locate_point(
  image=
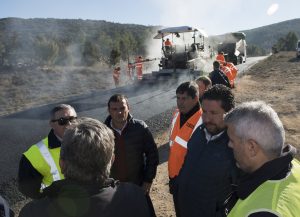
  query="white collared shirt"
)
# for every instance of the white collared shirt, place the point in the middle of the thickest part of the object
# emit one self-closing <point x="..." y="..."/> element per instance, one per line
<point x="118" y="130"/>
<point x="210" y="137"/>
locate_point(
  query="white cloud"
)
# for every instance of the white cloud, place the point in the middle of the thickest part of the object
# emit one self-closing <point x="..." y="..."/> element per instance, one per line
<point x="272" y="9"/>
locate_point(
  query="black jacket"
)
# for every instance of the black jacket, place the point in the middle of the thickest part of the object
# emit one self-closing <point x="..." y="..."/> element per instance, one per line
<point x="66" y="198"/>
<point x="136" y="154"/>
<point x="29" y="179"/>
<point x="218" y="77"/>
<point x="205" y="179"/>
<point x="4" y="209"/>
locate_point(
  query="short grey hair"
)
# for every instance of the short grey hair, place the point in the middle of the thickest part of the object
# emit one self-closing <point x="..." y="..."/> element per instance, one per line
<point x="87" y="150"/>
<point x="59" y="108"/>
<point x="258" y="121"/>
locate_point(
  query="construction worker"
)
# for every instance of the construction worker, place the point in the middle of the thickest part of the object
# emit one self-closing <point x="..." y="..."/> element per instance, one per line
<point x="139" y="68"/>
<point x="233" y="68"/>
<point x="168" y="45"/>
<point x="270" y="186"/>
<point x="217" y="76"/>
<point x="39" y="165"/>
<point x="186" y="118"/>
<point x="130" y="68"/>
<point x="227" y="71"/>
<point x="116" y="76"/>
<point x="220" y="57"/>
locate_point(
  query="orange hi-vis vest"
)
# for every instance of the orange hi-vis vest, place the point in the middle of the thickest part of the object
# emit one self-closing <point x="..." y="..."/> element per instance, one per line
<point x="233" y="69"/>
<point x="227" y="72"/>
<point x="139" y="68"/>
<point x="179" y="138"/>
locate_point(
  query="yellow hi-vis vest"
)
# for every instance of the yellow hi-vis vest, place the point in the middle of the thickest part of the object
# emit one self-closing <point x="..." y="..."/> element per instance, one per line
<point x="280" y="197"/>
<point x="179" y="138"/>
<point x="45" y="161"/>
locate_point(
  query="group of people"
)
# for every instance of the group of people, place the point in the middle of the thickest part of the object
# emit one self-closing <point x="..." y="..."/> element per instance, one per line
<point x="224" y="72"/>
<point x="224" y="160"/>
<point x="134" y="71"/>
<point x="86" y="168"/>
<point x="230" y="161"/>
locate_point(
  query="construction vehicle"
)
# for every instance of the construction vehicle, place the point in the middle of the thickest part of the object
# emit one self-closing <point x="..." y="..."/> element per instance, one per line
<point x="183" y="56"/>
<point x="234" y="47"/>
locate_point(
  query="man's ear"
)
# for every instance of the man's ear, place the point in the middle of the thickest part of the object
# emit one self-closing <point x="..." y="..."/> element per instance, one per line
<point x="62" y="165"/>
<point x="252" y="148"/>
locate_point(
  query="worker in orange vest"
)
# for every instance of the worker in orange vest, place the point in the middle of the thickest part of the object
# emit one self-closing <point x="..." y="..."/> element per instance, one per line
<point x="233" y="68"/>
<point x="130" y="68"/>
<point x="220" y="57"/>
<point x="168" y="45"/>
<point x="227" y="71"/>
<point x="116" y="76"/>
<point x="139" y="68"/>
<point x="185" y="120"/>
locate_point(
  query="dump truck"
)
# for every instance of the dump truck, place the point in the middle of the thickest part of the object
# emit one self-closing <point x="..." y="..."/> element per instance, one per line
<point x="182" y="56"/>
<point x="234" y="47"/>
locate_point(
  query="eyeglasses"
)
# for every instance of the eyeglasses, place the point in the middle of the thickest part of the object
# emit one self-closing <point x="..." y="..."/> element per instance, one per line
<point x="64" y="121"/>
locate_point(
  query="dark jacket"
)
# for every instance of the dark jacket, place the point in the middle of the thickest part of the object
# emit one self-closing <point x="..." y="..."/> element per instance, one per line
<point x="66" y="198"/>
<point x="205" y="179"/>
<point x="5" y="211"/>
<point x="136" y="154"/>
<point x="276" y="169"/>
<point x="29" y="179"/>
<point x="218" y="77"/>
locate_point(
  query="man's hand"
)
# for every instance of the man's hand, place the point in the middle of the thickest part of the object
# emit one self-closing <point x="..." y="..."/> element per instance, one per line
<point x="146" y="187"/>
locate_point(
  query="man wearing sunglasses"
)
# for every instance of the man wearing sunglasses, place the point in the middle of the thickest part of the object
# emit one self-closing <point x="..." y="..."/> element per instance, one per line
<point x="39" y="165"/>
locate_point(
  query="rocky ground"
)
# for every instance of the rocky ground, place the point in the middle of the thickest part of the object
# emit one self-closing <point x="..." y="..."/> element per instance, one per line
<point x="274" y="80"/>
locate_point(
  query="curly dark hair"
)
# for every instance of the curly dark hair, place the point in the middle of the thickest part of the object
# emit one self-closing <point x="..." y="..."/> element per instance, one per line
<point x="221" y="93"/>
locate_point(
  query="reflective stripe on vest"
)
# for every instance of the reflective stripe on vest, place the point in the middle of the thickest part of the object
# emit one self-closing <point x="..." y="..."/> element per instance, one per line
<point x="48" y="158"/>
<point x="5" y="206"/>
<point x="280" y="197"/>
<point x="172" y="126"/>
<point x="179" y="137"/>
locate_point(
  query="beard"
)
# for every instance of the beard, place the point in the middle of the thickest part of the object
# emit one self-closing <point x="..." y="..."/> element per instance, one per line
<point x="213" y="128"/>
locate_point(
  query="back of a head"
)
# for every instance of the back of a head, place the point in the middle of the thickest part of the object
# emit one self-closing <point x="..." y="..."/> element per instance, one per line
<point x="205" y="79"/>
<point x="258" y="121"/>
<point x="189" y="87"/>
<point x="87" y="151"/>
<point x="221" y="93"/>
<point x="216" y="65"/>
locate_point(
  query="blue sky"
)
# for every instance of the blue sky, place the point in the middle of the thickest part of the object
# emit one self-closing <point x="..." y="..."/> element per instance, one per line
<point x="213" y="16"/>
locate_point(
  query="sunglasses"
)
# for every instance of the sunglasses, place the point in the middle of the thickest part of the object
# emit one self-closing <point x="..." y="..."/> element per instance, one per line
<point x="64" y="121"/>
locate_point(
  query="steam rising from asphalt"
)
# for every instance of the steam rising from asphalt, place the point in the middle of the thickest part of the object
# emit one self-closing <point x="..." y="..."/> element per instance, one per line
<point x="272" y="9"/>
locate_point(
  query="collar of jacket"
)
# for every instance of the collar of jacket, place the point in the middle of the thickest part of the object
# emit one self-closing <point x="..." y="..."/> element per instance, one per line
<point x="273" y="170"/>
<point x="53" y="141"/>
<point x="108" y="119"/>
<point x="185" y="117"/>
<point x="74" y="189"/>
